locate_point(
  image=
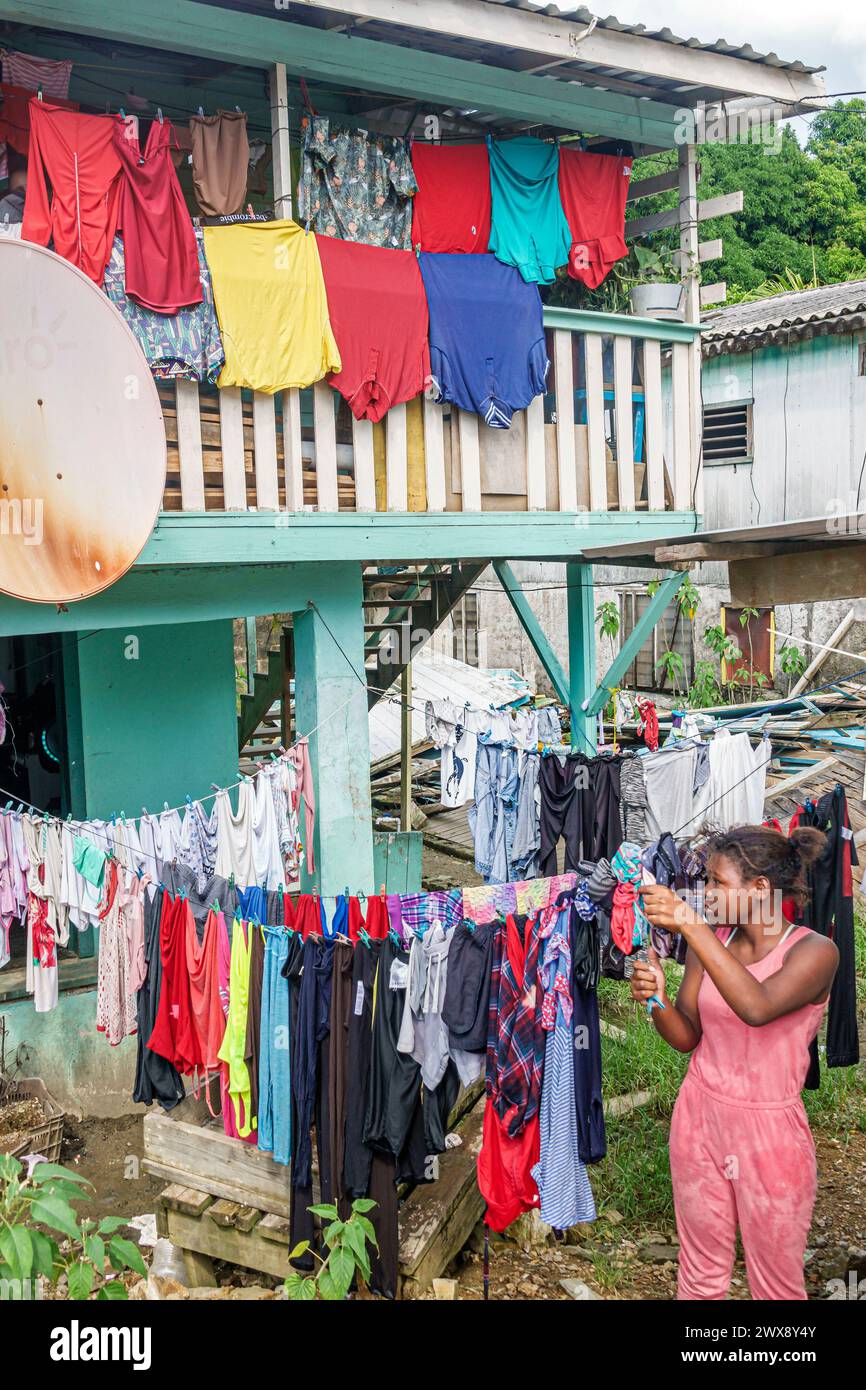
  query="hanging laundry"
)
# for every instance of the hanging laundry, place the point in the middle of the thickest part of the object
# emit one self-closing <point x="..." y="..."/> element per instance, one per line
<point x="672" y="804"/>
<point x="47" y="920"/>
<point x="493" y="815"/>
<point x="594" y="189"/>
<point x="233" y="1045"/>
<point x="629" y="926"/>
<point x="15" y="115"/>
<point x="378" y="314"/>
<point x="272" y="1098"/>
<point x="49" y="76"/>
<point x="564" y="810"/>
<point x="161" y="259"/>
<point x="830" y="911"/>
<point x="356" y="185"/>
<point x="185" y="344"/>
<point x="455" y="728"/>
<point x="737" y="779"/>
<point x="487" y="347"/>
<point x="116" y="1014"/>
<point x="220" y="161"/>
<point x="304" y="791"/>
<point x="156" y="1079"/>
<point x="529" y="228"/>
<point x="272" y="307"/>
<point x="174" y="1036"/>
<point x="560" y="1176"/>
<point x="77" y="156"/>
<point x="465" y="1007"/>
<point x="451" y="210"/>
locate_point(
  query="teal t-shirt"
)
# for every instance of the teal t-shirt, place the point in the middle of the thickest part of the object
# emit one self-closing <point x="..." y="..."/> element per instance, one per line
<point x="528" y="229"/>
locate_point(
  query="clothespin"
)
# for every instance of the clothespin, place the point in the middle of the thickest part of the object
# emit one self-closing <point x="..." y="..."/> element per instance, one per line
<point x="215" y="906"/>
<point x="122" y="114"/>
<point x="201" y="110"/>
<point x="364" y="937"/>
<point x="39" y="94"/>
<point x="160" y="115"/>
<point x="231" y="880"/>
<point x="188" y="799"/>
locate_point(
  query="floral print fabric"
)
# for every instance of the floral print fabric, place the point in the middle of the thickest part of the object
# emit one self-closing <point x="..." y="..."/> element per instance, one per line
<point x="356" y="185"/>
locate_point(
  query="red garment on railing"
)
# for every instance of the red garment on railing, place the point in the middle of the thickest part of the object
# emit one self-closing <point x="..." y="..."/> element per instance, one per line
<point x="593" y="189"/>
<point x="76" y="154"/>
<point x="162" y="271"/>
<point x="15" y="115"/>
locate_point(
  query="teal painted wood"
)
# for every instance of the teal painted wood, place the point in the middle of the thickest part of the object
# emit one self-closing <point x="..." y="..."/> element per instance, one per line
<point x="258" y="41"/>
<point x="532" y="627"/>
<point x="581" y="653"/>
<point x="331" y="708"/>
<point x="620" y="325"/>
<point x="666" y="591"/>
<point x="221" y="565"/>
<point x="157" y="715"/>
<point x="397" y="857"/>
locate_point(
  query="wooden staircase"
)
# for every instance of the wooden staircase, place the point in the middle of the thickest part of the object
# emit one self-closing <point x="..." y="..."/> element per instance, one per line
<point x="403" y="607"/>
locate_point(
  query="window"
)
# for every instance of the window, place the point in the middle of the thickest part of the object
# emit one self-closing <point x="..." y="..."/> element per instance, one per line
<point x="728" y="432"/>
<point x="673" y="632"/>
<point x="464" y="621"/>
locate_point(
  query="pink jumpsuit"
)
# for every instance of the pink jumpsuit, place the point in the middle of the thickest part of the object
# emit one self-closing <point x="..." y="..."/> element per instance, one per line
<point x="741" y="1149"/>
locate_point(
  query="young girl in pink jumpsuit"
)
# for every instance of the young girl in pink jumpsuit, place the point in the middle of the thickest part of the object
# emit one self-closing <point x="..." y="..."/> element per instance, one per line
<point x="750" y="1002"/>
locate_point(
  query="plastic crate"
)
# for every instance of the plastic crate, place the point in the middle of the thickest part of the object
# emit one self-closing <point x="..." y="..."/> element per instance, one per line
<point x="46" y="1138"/>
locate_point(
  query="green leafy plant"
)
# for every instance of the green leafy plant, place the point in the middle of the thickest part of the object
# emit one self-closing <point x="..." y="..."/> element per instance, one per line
<point x="671" y="667"/>
<point x="607" y="619"/>
<point x="41" y="1195"/>
<point x="348" y="1256"/>
<point x="706" y="688"/>
<point x="792" y="663"/>
<point x="689" y="599"/>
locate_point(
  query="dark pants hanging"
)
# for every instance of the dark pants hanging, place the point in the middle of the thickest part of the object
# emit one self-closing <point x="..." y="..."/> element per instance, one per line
<point x="341" y="1006"/>
<point x="607" y="835"/>
<point x="591" y="1137"/>
<point x="830" y="911"/>
<point x="310" y="1082"/>
<point x="561" y="816"/>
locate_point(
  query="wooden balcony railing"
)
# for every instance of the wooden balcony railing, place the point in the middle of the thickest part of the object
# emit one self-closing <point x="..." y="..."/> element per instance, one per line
<point x="618" y="430"/>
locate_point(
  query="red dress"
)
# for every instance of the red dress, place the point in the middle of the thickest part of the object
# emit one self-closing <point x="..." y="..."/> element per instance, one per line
<point x="162" y="271"/>
<point x="174" y="1035"/>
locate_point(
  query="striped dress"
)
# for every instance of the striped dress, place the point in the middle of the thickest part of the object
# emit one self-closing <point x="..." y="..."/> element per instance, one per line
<point x="561" y="1177"/>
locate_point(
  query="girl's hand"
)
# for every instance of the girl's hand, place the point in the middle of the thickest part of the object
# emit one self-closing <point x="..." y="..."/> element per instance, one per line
<point x="648" y="980"/>
<point x="665" y="909"/>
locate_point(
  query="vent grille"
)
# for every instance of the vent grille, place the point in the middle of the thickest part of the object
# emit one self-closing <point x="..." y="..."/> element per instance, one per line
<point x="728" y="432"/>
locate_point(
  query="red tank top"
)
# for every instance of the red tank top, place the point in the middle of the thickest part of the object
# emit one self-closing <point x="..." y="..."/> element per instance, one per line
<point x="763" y="1066"/>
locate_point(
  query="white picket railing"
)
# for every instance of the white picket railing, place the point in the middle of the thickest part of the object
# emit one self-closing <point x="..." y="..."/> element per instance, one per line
<point x="618" y="430"/>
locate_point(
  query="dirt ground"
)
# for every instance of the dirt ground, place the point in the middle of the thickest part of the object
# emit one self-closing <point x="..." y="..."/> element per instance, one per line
<point x="615" y="1260"/>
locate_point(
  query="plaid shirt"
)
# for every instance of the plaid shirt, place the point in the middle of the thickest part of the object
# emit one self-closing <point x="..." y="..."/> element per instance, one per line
<point x="515" y="1039"/>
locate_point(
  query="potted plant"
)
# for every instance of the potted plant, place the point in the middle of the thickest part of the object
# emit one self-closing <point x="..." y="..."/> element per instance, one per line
<point x="656" y="289"/>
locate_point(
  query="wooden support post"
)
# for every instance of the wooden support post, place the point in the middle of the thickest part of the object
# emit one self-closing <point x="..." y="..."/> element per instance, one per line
<point x="287" y="648"/>
<point x="633" y="643"/>
<point x="406" y="731"/>
<point x="581" y="653"/>
<point x="691" y="272"/>
<point x="251" y="642"/>
<point x="533" y="629"/>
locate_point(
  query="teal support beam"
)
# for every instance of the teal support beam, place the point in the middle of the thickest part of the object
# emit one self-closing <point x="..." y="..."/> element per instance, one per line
<point x="581" y="653"/>
<point x="331" y="709"/>
<point x="619" y="325"/>
<point x="156" y="716"/>
<point x="666" y="591"/>
<point x="209" y="31"/>
<point x="531" y="626"/>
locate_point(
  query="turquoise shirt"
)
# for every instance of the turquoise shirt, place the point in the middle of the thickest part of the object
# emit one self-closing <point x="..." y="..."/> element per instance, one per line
<point x="529" y="229"/>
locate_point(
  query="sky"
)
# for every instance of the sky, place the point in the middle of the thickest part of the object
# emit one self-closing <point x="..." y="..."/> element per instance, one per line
<point x="820" y="32"/>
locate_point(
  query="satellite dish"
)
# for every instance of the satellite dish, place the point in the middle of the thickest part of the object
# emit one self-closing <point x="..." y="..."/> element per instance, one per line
<point x="82" y="440"/>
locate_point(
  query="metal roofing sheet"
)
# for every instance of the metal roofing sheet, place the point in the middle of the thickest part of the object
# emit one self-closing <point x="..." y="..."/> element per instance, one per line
<point x="827" y="304"/>
<point x="581" y="15"/>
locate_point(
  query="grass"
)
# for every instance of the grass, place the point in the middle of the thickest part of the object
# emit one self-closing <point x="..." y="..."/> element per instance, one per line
<point x="635" y="1177"/>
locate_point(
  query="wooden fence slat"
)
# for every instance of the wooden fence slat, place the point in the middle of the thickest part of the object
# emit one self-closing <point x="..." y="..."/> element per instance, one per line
<point x="232" y="436"/>
<point x="434" y="455"/>
<point x="536" y="473"/>
<point x="365" y="468"/>
<point x="189" y="445"/>
<point x="325" y="428"/>
<point x="292" y="450"/>
<point x="622" y="391"/>
<point x="565" y="450"/>
<point x="396" y="460"/>
<point x="470" y="461"/>
<point x="265" y="452"/>
<point x="682" y="426"/>
<point x="595" y="422"/>
<point x="654" y="425"/>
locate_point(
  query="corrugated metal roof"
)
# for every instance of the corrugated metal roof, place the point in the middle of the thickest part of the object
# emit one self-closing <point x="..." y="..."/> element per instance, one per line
<point x="782" y="317"/>
<point x="581" y="15"/>
<point x="437" y="676"/>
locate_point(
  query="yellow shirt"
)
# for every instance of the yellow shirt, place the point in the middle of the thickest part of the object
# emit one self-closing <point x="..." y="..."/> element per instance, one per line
<point x="271" y="304"/>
